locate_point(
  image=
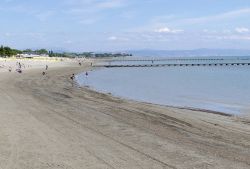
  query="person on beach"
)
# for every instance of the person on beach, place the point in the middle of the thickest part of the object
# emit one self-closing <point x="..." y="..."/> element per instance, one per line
<point x="19" y="70"/>
<point x="72" y="77"/>
<point x="86" y="74"/>
<point x="46" y="68"/>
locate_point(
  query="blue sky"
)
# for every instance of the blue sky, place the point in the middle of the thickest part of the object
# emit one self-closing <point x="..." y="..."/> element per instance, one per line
<point x="116" y="25"/>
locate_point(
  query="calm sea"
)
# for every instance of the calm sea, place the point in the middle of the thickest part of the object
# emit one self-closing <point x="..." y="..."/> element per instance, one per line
<point x="218" y="88"/>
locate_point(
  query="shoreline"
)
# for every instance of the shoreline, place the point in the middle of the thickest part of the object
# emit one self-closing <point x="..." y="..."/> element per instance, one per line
<point x="48" y="122"/>
<point x="163" y="105"/>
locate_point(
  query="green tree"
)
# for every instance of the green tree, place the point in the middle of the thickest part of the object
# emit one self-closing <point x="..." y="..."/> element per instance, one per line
<point x="28" y="51"/>
<point x="41" y="52"/>
<point x="51" y="54"/>
<point x="2" y="51"/>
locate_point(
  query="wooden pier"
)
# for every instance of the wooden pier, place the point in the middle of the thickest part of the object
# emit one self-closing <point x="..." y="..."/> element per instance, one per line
<point x="174" y="65"/>
<point x="175" y="59"/>
<point x="168" y="59"/>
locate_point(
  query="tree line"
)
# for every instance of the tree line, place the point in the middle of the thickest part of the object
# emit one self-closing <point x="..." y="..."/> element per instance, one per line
<point x="6" y="51"/>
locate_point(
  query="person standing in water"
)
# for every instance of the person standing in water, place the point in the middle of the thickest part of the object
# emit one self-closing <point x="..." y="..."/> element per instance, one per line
<point x="86" y="74"/>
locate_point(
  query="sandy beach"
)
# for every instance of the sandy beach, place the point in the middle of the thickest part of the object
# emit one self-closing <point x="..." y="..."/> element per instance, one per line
<point x="50" y="122"/>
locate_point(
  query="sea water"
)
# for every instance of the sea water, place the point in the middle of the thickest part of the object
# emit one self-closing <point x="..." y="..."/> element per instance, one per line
<point x="217" y="88"/>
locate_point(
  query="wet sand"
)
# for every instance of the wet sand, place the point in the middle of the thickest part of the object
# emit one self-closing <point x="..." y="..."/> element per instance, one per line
<point x="50" y="122"/>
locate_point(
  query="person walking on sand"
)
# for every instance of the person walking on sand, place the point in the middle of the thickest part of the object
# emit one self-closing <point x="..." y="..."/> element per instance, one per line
<point x="46" y="68"/>
<point x="72" y="77"/>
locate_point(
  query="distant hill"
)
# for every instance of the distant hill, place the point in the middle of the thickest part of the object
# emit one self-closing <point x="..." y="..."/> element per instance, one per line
<point x="190" y="53"/>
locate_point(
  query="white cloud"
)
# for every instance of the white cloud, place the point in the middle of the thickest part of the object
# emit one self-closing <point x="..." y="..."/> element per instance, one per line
<point x="162" y="22"/>
<point x="233" y="37"/>
<point x="168" y="30"/>
<point x="215" y="18"/>
<point x="209" y="31"/>
<point x="242" y="30"/>
<point x="112" y="38"/>
<point x="115" y="38"/>
<point x="239" y="34"/>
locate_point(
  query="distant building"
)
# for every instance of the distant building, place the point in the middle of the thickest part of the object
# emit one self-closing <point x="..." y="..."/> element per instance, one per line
<point x="30" y="56"/>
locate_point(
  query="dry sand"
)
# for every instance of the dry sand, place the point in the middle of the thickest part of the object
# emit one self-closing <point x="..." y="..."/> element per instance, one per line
<point x="49" y="122"/>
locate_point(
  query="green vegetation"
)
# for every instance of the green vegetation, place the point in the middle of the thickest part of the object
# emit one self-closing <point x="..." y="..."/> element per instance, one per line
<point x="87" y="55"/>
<point x="98" y="55"/>
<point x="6" y="51"/>
<point x="36" y="52"/>
<point x="54" y="54"/>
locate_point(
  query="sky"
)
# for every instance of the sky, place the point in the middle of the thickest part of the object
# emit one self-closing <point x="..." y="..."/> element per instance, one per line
<point x="119" y="25"/>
